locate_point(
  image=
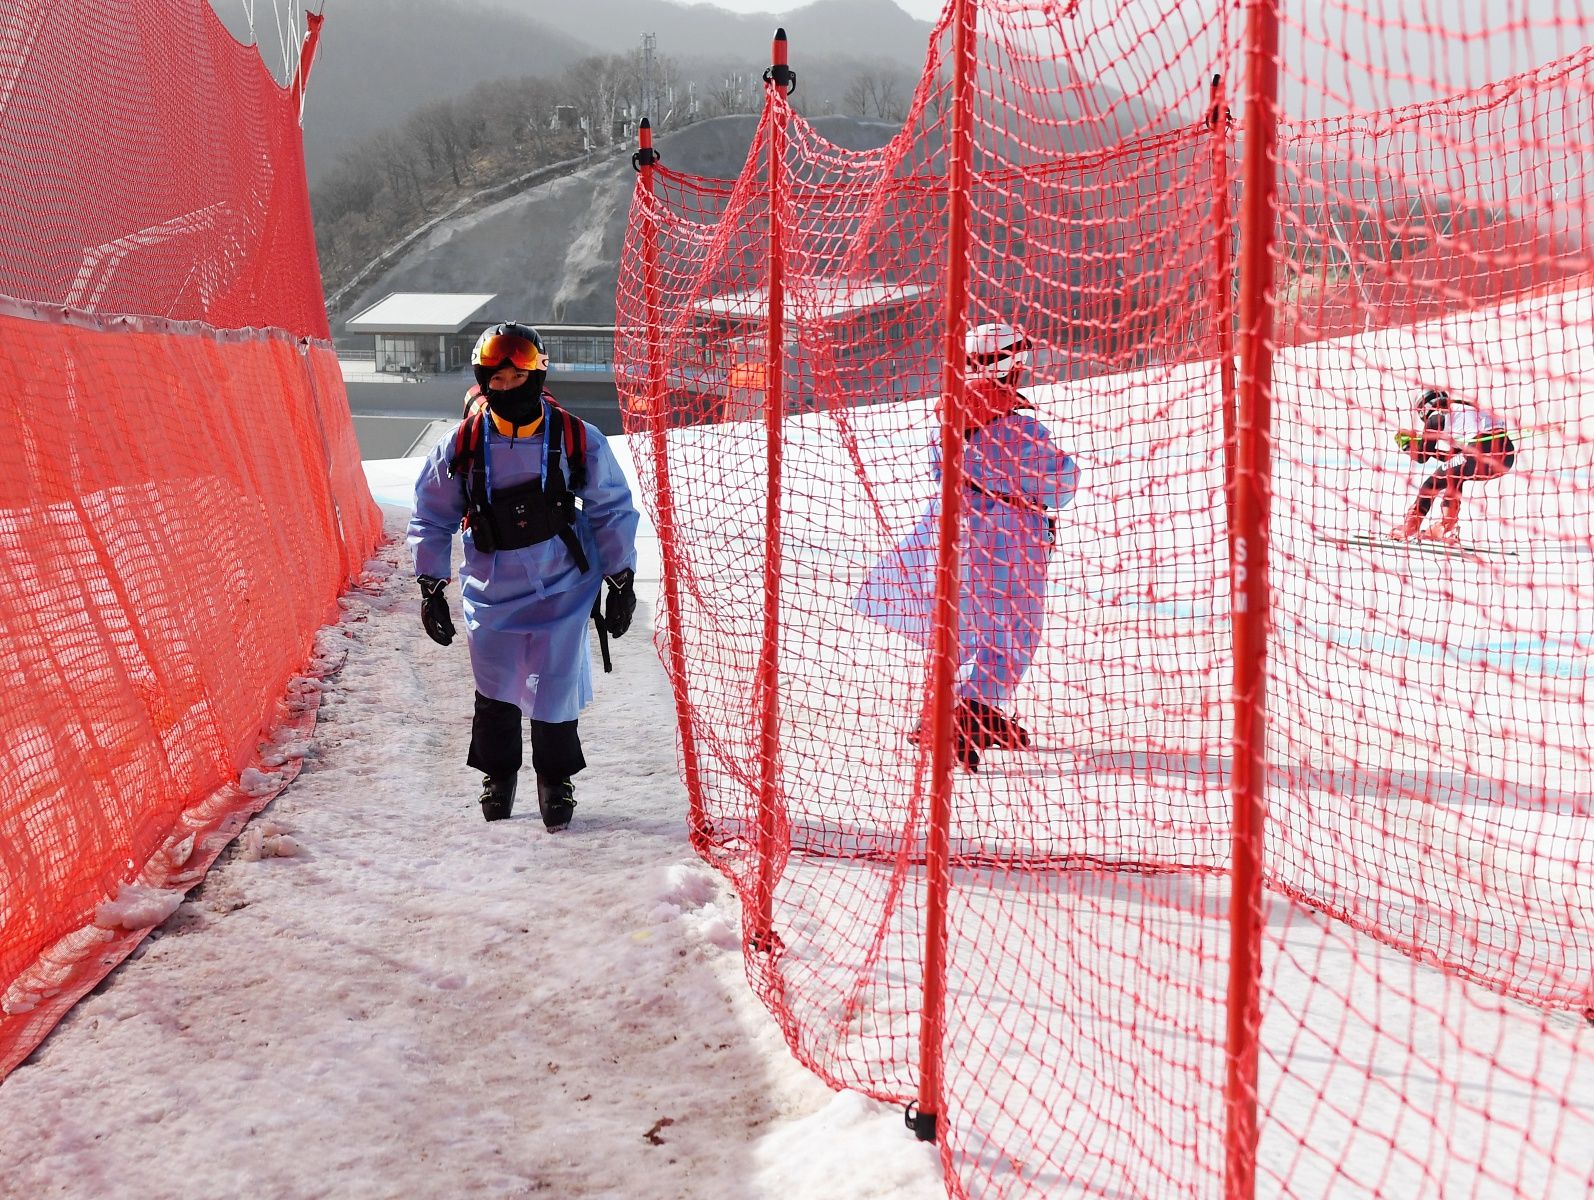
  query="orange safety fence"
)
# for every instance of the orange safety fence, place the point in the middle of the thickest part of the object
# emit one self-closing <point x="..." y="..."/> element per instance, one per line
<point x="1174" y="781"/>
<point x="181" y="499"/>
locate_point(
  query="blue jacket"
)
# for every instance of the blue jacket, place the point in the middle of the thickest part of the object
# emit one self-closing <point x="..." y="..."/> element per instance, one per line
<point x="1014" y="473"/>
<point x="526" y="610"/>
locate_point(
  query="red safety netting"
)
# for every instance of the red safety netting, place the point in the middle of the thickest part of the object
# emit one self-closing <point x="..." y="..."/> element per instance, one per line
<point x="181" y="499"/>
<point x="1280" y="883"/>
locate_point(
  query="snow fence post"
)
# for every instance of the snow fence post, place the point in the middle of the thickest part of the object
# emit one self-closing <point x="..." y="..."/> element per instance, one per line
<point x="1221" y="122"/>
<point x="944" y="646"/>
<point x="770" y="805"/>
<point x="643" y="162"/>
<point x="1248" y="597"/>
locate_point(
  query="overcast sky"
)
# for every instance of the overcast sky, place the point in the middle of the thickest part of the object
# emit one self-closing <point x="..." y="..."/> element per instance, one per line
<point x="1334" y="51"/>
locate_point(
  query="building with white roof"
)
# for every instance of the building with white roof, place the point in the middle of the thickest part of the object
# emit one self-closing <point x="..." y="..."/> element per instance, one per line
<point x="423" y="333"/>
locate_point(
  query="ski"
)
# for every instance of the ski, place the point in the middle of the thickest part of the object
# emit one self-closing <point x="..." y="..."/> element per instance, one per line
<point x="1415" y="545"/>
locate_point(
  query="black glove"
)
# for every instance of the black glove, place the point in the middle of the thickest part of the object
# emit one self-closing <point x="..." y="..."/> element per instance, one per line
<point x="434" y="610"/>
<point x="620" y="605"/>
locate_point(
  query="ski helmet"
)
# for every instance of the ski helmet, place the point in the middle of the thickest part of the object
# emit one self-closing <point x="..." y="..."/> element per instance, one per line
<point x="1433" y="398"/>
<point x="511" y="344"/>
<point x="996" y="350"/>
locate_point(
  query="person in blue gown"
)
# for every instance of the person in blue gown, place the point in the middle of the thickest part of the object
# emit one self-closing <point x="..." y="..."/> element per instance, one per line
<point x="534" y="564"/>
<point x="1015" y="480"/>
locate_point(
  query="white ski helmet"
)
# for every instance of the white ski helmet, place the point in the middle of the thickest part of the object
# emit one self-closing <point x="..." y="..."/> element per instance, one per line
<point x="995" y="350"/>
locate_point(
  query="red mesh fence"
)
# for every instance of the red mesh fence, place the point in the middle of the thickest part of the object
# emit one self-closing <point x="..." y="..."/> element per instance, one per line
<point x="1272" y="875"/>
<point x="181" y="499"/>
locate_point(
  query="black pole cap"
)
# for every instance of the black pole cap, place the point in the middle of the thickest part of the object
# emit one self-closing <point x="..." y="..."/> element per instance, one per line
<point x="780" y="72"/>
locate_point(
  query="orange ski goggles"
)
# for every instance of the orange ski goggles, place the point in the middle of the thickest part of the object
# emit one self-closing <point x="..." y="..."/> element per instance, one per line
<point x="509" y="349"/>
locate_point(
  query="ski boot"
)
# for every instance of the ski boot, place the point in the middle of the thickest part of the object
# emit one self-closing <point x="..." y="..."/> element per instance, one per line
<point x="1448" y="530"/>
<point x="992" y="729"/>
<point x="1412" y="528"/>
<point x="498" y="797"/>
<point x="965" y="750"/>
<point x="966" y="745"/>
<point x="557" y="800"/>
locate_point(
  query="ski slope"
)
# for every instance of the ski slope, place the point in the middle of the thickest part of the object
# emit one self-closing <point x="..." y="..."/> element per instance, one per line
<point x="399" y="999"/>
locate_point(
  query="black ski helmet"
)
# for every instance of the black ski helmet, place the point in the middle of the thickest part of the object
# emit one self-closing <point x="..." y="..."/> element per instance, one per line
<point x="511" y="344"/>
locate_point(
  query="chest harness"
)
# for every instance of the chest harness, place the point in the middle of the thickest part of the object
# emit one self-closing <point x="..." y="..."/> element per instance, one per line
<point x="526" y="514"/>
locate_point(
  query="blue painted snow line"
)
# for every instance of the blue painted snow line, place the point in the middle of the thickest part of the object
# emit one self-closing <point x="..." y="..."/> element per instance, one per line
<point x="1526" y="655"/>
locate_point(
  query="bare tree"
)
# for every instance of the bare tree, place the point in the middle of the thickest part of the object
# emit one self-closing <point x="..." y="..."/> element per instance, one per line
<point x="855" y="100"/>
<point x="632" y="91"/>
<point x="515" y="117"/>
<point x="351" y="186"/>
<point x="594" y="86"/>
<point x="880" y="92"/>
<point x="423" y="138"/>
<point x="443" y="130"/>
<point x="393" y="156"/>
<point x="886" y="98"/>
<point x="732" y="92"/>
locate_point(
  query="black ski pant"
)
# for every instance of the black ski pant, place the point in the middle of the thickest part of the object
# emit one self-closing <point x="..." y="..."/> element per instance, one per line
<point x="495" y="747"/>
<point x="1489" y="457"/>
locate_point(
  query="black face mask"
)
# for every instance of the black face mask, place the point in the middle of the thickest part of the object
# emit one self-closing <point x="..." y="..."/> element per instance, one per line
<point x="518" y="406"/>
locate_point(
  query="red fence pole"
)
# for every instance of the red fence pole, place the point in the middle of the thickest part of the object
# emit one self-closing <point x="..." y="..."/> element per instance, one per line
<point x="944" y="648"/>
<point x="1249" y="596"/>
<point x="301" y="75"/>
<point x="769" y="802"/>
<point x="1220" y="121"/>
<point x="658" y="425"/>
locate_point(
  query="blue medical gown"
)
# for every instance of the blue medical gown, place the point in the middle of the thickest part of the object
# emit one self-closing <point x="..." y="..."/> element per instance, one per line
<point x="1004" y="553"/>
<point x="526" y="610"/>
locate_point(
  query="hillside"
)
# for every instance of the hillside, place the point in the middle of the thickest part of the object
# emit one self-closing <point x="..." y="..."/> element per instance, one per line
<point x="552" y="252"/>
<point x="381" y="60"/>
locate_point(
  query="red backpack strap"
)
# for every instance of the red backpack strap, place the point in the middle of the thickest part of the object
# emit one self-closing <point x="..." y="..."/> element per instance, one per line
<point x="576" y="450"/>
<point x="575" y="439"/>
<point x="468" y="437"/>
<point x="467" y="444"/>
